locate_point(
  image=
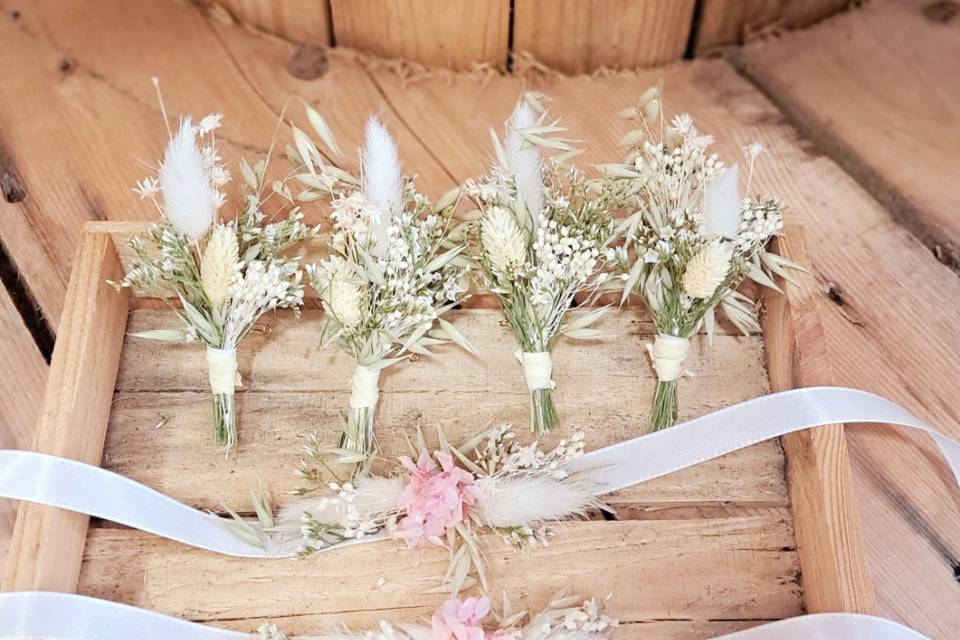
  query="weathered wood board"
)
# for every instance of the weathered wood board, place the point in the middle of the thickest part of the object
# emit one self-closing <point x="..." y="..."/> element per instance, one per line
<point x="708" y="544"/>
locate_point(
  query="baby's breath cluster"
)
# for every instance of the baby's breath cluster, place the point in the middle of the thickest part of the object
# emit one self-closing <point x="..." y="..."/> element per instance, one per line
<point x="541" y="241"/>
<point x="225" y="275"/>
<point x="689" y="237"/>
<point x="392" y="273"/>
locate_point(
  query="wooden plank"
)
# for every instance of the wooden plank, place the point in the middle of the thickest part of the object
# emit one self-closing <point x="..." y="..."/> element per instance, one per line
<point x="829" y="542"/>
<point x="22" y="372"/>
<point x="299" y="20"/>
<point x="879" y="314"/>
<point x="279" y="406"/>
<point x="71" y="170"/>
<point x="47" y="544"/>
<point x="457" y="34"/>
<point x="871" y="89"/>
<point x="728" y="22"/>
<point x="580" y="36"/>
<point x="727" y="569"/>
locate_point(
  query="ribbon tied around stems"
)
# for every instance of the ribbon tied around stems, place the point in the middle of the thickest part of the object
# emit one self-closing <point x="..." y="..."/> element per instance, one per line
<point x="364" y="387"/>
<point x="537" y="369"/>
<point x="668" y="354"/>
<point x="222" y="370"/>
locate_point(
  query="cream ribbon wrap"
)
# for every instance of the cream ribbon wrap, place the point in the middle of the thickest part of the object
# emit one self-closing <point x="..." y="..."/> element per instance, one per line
<point x="364" y="387"/>
<point x="537" y="369"/>
<point x="222" y="370"/>
<point x="668" y="354"/>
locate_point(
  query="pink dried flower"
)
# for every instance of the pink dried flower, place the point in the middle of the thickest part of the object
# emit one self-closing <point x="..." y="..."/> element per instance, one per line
<point x="456" y="620"/>
<point x="435" y="499"/>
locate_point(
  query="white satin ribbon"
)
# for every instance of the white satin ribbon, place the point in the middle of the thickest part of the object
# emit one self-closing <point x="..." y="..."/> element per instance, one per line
<point x="84" y="488"/>
<point x="62" y="616"/>
<point x="668" y="354"/>
<point x="741" y="425"/>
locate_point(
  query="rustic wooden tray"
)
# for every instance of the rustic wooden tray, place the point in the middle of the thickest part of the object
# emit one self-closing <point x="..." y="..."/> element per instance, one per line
<point x="761" y="534"/>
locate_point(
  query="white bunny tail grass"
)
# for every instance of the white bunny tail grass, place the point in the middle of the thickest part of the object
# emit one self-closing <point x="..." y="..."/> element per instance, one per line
<point x="189" y="200"/>
<point x="721" y="204"/>
<point x="524" y="161"/>
<point x="382" y="181"/>
<point x="529" y="500"/>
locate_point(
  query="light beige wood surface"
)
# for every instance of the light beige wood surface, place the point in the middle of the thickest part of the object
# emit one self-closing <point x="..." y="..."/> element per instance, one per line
<point x="829" y="542"/>
<point x="23" y="372"/>
<point x="291" y="390"/>
<point x="579" y="36"/>
<point x="682" y="571"/>
<point x="47" y="543"/>
<point x="305" y="21"/>
<point x="882" y="294"/>
<point x="457" y="34"/>
<point x="872" y="89"/>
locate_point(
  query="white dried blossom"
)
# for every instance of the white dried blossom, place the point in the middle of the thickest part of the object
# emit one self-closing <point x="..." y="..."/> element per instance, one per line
<point x="219" y="267"/>
<point x="345" y="299"/>
<point x="148" y="188"/>
<point x="503" y="241"/>
<point x="707" y="270"/>
<point x="209" y="123"/>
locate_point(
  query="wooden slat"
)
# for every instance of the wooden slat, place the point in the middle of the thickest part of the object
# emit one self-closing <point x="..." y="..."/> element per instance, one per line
<point x="829" y="542"/>
<point x="71" y="171"/>
<point x="871" y="89"/>
<point x="728" y="22"/>
<point x="47" y="543"/>
<point x="579" y="36"/>
<point x="290" y="390"/>
<point x="455" y="34"/>
<point x="22" y="374"/>
<point x="694" y="570"/>
<point x="299" y="20"/>
<point x="889" y="308"/>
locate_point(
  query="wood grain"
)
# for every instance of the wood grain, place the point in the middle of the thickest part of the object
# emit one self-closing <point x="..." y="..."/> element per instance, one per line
<point x="676" y="570"/>
<point x="829" y="542"/>
<point x="456" y="34"/>
<point x="300" y="20"/>
<point x="580" y="36"/>
<point x="728" y="22"/>
<point x="889" y="307"/>
<point x="71" y="172"/>
<point x="871" y="90"/>
<point x="291" y="390"/>
<point x="23" y="372"/>
<point x="47" y="543"/>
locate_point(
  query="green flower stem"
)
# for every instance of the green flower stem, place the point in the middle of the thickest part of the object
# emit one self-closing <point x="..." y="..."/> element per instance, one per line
<point x="543" y="413"/>
<point x="358" y="430"/>
<point x="665" y="408"/>
<point x="225" y="420"/>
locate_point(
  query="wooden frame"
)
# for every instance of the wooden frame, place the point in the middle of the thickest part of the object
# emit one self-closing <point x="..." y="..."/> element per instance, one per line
<point x="48" y="544"/>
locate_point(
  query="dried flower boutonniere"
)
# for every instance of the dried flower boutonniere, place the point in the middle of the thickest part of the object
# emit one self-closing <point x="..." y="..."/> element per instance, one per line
<point x="564" y="618"/>
<point x="691" y="238"/>
<point x="392" y="273"/>
<point x="436" y="497"/>
<point x="225" y="275"/>
<point x="541" y="242"/>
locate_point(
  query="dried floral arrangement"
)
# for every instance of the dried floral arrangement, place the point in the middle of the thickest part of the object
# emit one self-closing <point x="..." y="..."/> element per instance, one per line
<point x="225" y="274"/>
<point x="691" y="239"/>
<point x="440" y="497"/>
<point x="564" y="618"/>
<point x="541" y="241"/>
<point x="392" y="273"/>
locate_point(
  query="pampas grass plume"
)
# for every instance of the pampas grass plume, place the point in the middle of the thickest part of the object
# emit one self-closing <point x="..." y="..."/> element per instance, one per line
<point x="189" y="200"/>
